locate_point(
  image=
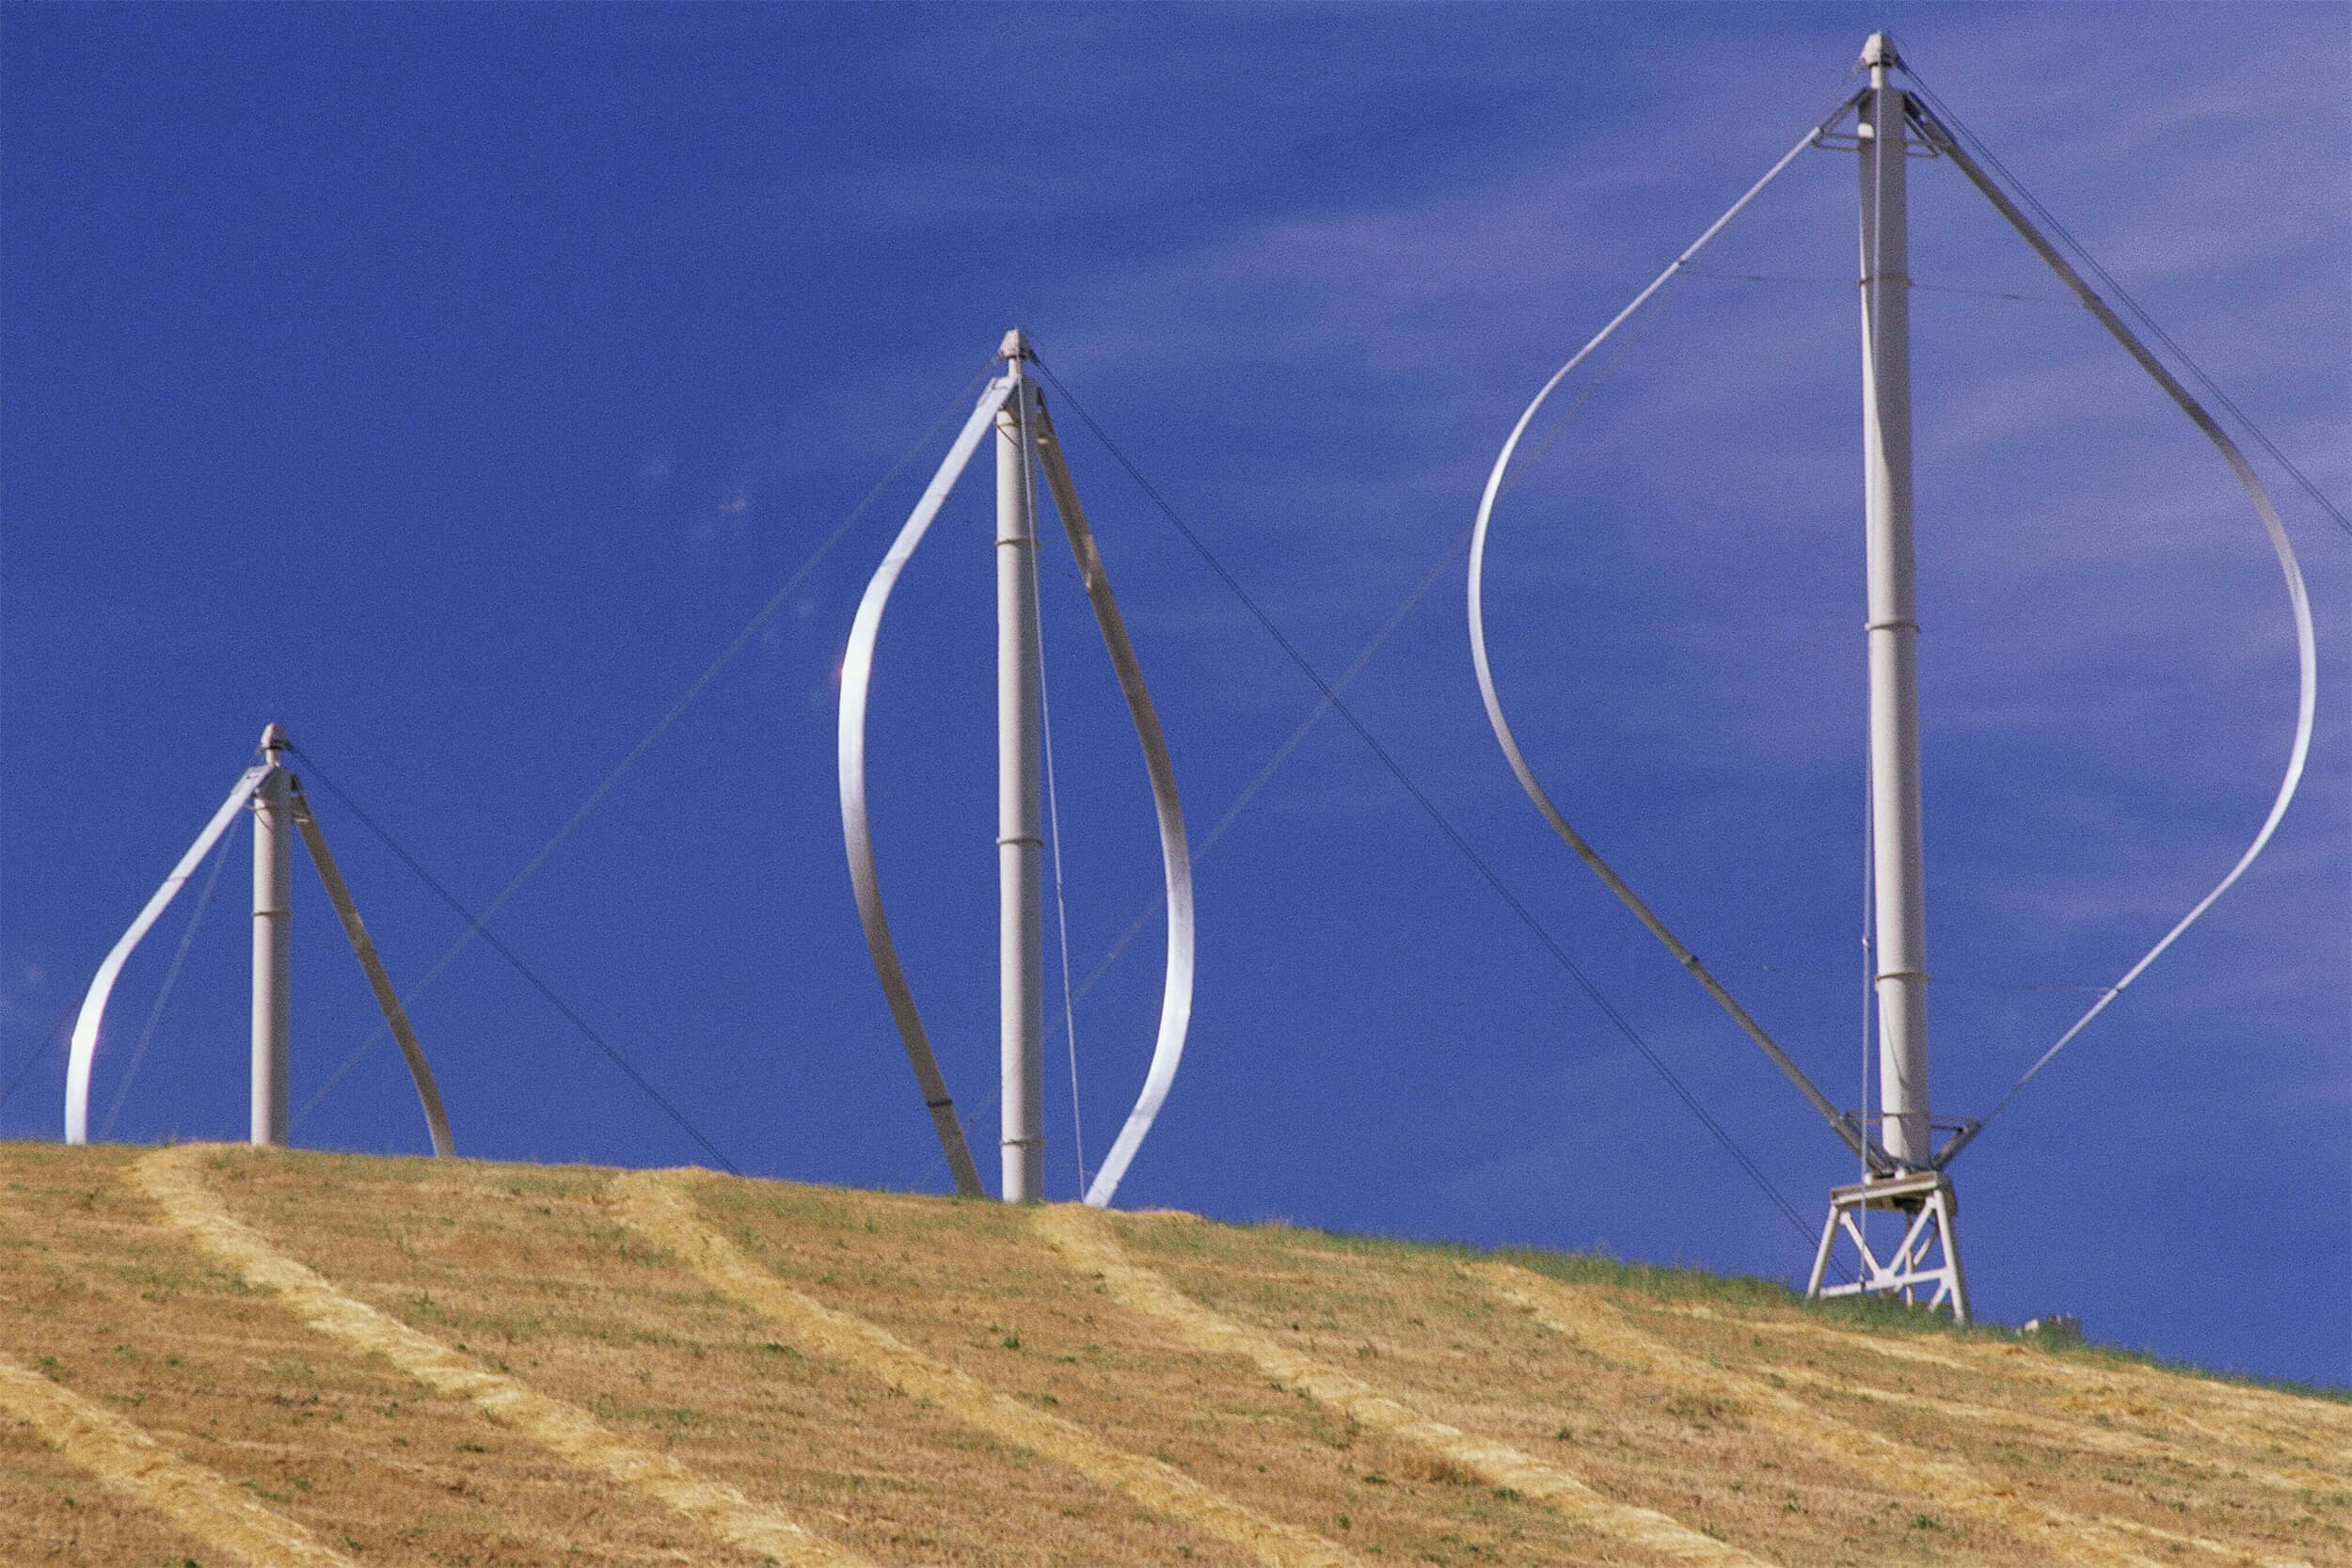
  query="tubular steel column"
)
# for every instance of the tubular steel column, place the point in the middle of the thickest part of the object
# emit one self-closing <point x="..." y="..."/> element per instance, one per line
<point x="1894" y="628"/>
<point x="1020" y="842"/>
<point x="273" y="919"/>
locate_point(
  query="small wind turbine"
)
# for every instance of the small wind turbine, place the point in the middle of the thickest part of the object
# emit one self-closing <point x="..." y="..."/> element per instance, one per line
<point x="1904" y="1169"/>
<point x="275" y="794"/>
<point x="1014" y="407"/>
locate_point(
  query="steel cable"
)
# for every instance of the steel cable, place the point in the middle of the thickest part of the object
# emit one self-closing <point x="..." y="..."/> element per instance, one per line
<point x="1314" y="716"/>
<point x="1429" y="807"/>
<point x="662" y="726"/>
<point x="172" y="979"/>
<point x="1053" y="817"/>
<point x="2115" y="289"/>
<point x="515" y="961"/>
<point x="1949" y="141"/>
<point x="55" y="1031"/>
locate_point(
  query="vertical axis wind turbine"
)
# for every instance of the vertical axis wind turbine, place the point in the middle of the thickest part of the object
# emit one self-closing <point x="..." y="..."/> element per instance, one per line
<point x="274" y="792"/>
<point x="1903" y="1168"/>
<point x="1013" y="407"/>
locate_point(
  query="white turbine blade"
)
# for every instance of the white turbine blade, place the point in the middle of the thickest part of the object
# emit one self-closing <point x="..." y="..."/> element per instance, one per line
<point x="857" y="675"/>
<point x="93" y="1013"/>
<point x="1175" y="855"/>
<point x="2306" y="649"/>
<point x="363" y="947"/>
<point x="1840" y="1123"/>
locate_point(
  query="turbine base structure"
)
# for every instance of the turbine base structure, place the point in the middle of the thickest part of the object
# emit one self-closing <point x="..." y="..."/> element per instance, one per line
<point x="1924" y="1270"/>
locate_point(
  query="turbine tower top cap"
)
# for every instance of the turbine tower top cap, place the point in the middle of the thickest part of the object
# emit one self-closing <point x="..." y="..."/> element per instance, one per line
<point x="1878" y="50"/>
<point x="1015" y="346"/>
<point x="274" y="741"/>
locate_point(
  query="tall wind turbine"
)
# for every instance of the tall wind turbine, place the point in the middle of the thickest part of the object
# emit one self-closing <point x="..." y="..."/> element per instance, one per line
<point x="273" y="791"/>
<point x="1012" y="407"/>
<point x="1904" y="1169"/>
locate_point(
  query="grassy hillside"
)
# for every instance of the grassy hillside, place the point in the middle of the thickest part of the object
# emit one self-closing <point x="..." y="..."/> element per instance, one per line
<point x="217" y="1356"/>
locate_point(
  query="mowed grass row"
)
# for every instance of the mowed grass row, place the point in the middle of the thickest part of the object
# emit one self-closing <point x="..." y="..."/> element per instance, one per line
<point x="2268" y="1472"/>
<point x="99" y="1295"/>
<point x="530" y="1272"/>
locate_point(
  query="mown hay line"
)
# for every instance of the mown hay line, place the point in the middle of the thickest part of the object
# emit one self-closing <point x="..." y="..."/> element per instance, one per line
<point x="171" y="1178"/>
<point x="1951" y="1483"/>
<point x="1084" y="1241"/>
<point x="2088" y="1434"/>
<point x="120" y="1455"/>
<point x="651" y="1203"/>
<point x="2248" y="1417"/>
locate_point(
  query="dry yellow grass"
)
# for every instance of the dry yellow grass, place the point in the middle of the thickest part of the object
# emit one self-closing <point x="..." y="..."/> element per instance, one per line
<point x="971" y="1286"/>
<point x="2266" y="1420"/>
<point x="1437" y="1340"/>
<point x="654" y="1205"/>
<point x="102" y="1443"/>
<point x="101" y="1295"/>
<point x="1602" y="1330"/>
<point x="175" y="1178"/>
<point x="921" y="1381"/>
<point x="529" y="1272"/>
<point x="1084" y="1238"/>
<point x="2280" y="1474"/>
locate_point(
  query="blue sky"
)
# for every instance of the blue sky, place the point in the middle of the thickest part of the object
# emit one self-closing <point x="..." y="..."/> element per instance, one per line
<point x="452" y="385"/>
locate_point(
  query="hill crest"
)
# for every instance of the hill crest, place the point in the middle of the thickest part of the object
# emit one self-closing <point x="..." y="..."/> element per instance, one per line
<point x="212" y="1354"/>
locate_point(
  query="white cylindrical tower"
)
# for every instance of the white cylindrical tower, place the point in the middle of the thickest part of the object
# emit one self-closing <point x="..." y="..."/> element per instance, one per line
<point x="1894" y="627"/>
<point x="273" y="929"/>
<point x="1020" y="840"/>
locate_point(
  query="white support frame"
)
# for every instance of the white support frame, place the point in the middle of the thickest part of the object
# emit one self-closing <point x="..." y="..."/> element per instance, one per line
<point x="1927" y="1261"/>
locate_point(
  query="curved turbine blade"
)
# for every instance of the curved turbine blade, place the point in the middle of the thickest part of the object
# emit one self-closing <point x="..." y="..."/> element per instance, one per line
<point x="1843" y="1125"/>
<point x="1175" y="854"/>
<point x="363" y="948"/>
<point x="2305" y="650"/>
<point x="102" y="986"/>
<point x="857" y="675"/>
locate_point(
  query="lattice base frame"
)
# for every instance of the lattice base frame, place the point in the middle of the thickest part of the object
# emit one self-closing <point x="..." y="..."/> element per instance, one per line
<point x="1925" y="1270"/>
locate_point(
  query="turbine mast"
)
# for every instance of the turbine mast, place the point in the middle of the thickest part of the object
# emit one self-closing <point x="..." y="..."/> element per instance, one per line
<point x="1020" y="836"/>
<point x="1927" y="1261"/>
<point x="1900" y="975"/>
<point x="273" y="948"/>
